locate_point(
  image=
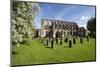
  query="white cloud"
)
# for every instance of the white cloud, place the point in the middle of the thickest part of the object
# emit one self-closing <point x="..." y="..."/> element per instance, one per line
<point x="84" y="18"/>
<point x="83" y="21"/>
<point x="83" y="25"/>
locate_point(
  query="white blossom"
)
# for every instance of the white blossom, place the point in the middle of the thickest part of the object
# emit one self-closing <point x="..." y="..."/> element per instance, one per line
<point x="22" y="19"/>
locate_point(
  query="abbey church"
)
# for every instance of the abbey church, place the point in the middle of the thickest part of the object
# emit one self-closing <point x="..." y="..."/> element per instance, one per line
<point x="67" y="28"/>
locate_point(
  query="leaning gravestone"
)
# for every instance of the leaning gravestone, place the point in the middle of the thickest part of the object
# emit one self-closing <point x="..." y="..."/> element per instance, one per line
<point x="81" y="40"/>
<point x="74" y="40"/>
<point x="70" y="43"/>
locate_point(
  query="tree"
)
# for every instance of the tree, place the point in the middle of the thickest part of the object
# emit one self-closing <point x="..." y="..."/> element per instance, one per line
<point x="23" y="14"/>
<point x="91" y="26"/>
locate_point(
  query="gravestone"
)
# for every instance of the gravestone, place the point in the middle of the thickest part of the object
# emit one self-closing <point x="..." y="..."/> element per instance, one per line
<point x="52" y="43"/>
<point x="57" y="35"/>
<point x="87" y="38"/>
<point x="74" y="40"/>
<point x="56" y="40"/>
<point x="70" y="43"/>
<point x="61" y="41"/>
<point x="81" y="40"/>
<point x="47" y="42"/>
<point x="61" y="35"/>
<point x="66" y="40"/>
<point x="76" y="37"/>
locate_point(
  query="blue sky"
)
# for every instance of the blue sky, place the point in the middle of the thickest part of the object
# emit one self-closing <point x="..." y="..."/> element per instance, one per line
<point x="76" y="13"/>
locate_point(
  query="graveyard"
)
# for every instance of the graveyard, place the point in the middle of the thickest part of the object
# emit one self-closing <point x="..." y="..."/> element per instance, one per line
<point x="41" y="35"/>
<point x="57" y="42"/>
<point x="36" y="52"/>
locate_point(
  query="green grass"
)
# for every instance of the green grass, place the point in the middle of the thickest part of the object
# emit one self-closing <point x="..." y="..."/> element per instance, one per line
<point x="37" y="53"/>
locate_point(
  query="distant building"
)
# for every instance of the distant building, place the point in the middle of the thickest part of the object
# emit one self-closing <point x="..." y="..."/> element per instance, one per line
<point x="65" y="28"/>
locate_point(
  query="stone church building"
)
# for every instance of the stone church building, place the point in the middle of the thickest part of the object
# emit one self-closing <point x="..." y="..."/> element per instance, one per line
<point x="65" y="27"/>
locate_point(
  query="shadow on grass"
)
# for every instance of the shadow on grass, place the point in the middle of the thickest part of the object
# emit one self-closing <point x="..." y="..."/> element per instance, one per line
<point x="66" y="46"/>
<point x="49" y="47"/>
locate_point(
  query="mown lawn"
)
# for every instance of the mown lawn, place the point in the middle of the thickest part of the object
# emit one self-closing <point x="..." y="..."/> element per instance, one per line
<point x="36" y="53"/>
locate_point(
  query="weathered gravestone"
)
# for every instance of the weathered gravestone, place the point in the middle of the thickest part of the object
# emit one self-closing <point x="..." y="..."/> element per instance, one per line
<point x="66" y="40"/>
<point x="61" y="41"/>
<point x="47" y="42"/>
<point x="52" y="43"/>
<point x="87" y="38"/>
<point x="70" y="43"/>
<point x="57" y="35"/>
<point x="61" y="35"/>
<point x="76" y="37"/>
<point x="74" y="40"/>
<point x="56" y="40"/>
<point x="81" y="40"/>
